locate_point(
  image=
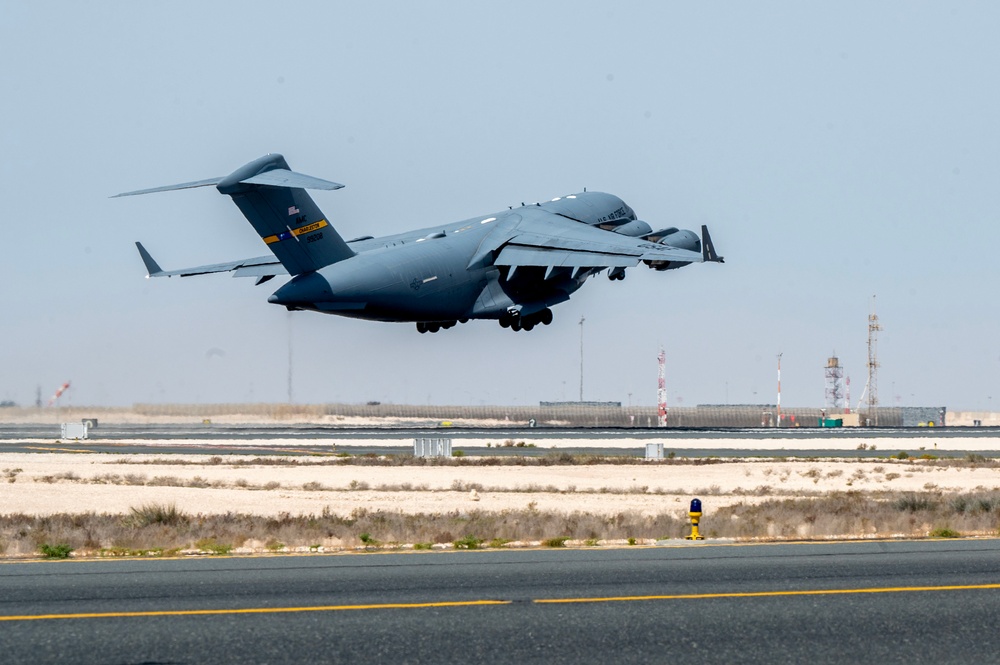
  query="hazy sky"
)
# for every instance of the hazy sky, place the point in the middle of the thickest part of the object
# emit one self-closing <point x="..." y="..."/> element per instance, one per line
<point x="835" y="150"/>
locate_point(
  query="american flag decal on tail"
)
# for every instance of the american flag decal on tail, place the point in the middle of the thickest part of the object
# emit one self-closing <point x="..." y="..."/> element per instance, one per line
<point x="293" y="211"/>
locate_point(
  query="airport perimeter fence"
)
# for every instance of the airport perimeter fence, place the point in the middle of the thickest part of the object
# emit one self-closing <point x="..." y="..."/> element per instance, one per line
<point x="553" y="415"/>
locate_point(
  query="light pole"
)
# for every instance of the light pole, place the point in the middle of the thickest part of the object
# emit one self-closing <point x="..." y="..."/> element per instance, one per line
<point x="779" y="390"/>
<point x="581" y="357"/>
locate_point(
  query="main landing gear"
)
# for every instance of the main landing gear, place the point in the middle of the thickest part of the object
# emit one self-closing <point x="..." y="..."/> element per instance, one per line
<point x="434" y="326"/>
<point x="515" y="322"/>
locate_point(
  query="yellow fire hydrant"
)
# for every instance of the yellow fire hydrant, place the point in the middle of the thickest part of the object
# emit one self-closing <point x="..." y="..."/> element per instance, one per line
<point x="695" y="515"/>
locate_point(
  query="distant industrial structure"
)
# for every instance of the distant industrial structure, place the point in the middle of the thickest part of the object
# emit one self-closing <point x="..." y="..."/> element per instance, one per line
<point x="834" y="393"/>
<point x="872" y="387"/>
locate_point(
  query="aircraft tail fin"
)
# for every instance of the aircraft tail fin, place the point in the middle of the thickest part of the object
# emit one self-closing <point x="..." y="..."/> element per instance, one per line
<point x="273" y="199"/>
<point x="708" y="252"/>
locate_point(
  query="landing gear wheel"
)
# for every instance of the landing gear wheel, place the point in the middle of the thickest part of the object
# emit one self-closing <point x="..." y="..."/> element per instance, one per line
<point x="528" y="325"/>
<point x="515" y="325"/>
<point x="546" y="317"/>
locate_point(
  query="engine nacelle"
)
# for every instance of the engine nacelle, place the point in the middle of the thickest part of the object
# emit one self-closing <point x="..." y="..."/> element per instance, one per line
<point x="683" y="239"/>
<point x="680" y="238"/>
<point x="636" y="228"/>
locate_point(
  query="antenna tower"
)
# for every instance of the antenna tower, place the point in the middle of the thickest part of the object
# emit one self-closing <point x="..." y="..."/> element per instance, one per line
<point x="873" y="330"/>
<point x="834" y="384"/>
<point x="661" y="390"/>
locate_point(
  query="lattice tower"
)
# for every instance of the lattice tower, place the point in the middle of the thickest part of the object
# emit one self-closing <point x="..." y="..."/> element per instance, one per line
<point x="834" y="393"/>
<point x="873" y="364"/>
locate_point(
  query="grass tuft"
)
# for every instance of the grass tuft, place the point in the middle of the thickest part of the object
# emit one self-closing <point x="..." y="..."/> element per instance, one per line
<point x="156" y="513"/>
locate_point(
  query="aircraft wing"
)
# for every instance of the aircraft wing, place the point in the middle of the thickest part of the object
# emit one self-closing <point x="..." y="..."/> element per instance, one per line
<point x="550" y="240"/>
<point x="260" y="267"/>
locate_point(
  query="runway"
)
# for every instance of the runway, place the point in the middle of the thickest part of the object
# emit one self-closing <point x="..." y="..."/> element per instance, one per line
<point x="886" y="602"/>
<point x="298" y="440"/>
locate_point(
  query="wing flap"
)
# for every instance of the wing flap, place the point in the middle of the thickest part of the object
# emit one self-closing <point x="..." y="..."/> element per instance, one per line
<point x="518" y="255"/>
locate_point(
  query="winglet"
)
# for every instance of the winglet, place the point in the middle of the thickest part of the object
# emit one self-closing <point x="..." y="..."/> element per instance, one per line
<point x="152" y="267"/>
<point x="707" y="248"/>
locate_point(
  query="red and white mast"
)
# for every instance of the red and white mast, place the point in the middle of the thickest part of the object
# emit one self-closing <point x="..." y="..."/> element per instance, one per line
<point x="779" y="390"/>
<point x="661" y="390"/>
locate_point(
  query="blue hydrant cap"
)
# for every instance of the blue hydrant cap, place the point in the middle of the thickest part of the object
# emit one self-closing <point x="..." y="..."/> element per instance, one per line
<point x="695" y="505"/>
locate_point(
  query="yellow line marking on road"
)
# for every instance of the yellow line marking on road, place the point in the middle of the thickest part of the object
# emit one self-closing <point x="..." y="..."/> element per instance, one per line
<point x="60" y="450"/>
<point x="253" y="610"/>
<point x="765" y="594"/>
<point x="480" y="603"/>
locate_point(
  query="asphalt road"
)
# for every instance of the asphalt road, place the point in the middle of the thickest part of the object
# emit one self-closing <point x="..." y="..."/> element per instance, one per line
<point x="900" y="602"/>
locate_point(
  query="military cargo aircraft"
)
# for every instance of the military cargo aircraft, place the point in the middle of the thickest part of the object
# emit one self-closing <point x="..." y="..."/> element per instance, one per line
<point x="512" y="266"/>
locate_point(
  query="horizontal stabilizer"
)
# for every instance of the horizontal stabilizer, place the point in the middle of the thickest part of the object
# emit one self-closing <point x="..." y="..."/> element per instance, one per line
<point x="272" y="178"/>
<point x="260" y="266"/>
<point x="167" y="188"/>
<point x="286" y="178"/>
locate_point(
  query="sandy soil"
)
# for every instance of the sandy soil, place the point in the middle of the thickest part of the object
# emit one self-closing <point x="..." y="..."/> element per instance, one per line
<point x="47" y="483"/>
<point x="889" y="445"/>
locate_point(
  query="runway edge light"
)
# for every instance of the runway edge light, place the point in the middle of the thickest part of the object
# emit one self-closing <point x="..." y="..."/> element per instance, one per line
<point x="695" y="514"/>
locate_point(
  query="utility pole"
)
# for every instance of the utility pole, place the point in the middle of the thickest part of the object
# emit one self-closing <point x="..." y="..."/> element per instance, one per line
<point x="779" y="389"/>
<point x="581" y="357"/>
<point x="289" y="357"/>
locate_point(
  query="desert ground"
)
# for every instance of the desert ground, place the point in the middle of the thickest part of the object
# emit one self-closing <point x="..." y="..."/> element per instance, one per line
<point x="340" y="501"/>
<point x="50" y="483"/>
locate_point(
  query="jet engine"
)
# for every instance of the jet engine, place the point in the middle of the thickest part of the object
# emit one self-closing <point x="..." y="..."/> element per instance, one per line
<point x="674" y="237"/>
<point x="636" y="228"/>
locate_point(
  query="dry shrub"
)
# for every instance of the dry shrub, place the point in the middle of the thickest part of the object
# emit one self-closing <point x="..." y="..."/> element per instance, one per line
<point x="162" y="527"/>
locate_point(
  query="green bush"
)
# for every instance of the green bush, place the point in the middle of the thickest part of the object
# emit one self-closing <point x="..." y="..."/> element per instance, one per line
<point x="945" y="533"/>
<point x="212" y="546"/>
<point x="468" y="543"/>
<point x="555" y="542"/>
<point x="55" y="551"/>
